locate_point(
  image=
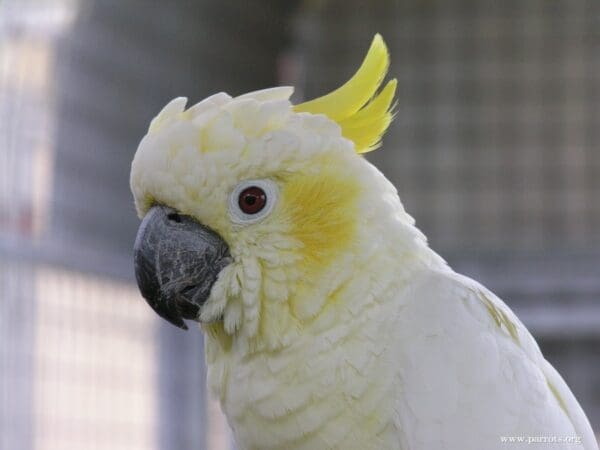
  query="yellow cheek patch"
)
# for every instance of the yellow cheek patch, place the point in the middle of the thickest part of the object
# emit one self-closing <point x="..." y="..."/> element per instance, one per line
<point x="322" y="209"/>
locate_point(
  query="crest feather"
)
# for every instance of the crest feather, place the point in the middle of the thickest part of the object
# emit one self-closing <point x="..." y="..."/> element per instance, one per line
<point x="364" y="125"/>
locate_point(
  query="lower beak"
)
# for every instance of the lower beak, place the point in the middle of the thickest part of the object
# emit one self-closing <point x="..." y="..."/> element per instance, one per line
<point x="177" y="260"/>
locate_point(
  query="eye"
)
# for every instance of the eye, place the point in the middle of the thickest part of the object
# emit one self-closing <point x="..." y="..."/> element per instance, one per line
<point x="252" y="200"/>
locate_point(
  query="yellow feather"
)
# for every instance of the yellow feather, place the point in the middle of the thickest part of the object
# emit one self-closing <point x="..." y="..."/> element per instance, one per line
<point x="323" y="212"/>
<point x="365" y="126"/>
<point x="368" y="137"/>
<point x="377" y="107"/>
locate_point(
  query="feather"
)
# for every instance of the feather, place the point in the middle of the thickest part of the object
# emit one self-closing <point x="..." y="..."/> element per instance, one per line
<point x="363" y="125"/>
<point x="366" y="127"/>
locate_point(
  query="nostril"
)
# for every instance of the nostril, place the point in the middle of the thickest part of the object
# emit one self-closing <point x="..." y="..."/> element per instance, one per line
<point x="188" y="289"/>
<point x="174" y="217"/>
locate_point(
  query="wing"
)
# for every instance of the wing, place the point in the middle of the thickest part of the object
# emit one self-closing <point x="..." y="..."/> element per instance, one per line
<point x="472" y="376"/>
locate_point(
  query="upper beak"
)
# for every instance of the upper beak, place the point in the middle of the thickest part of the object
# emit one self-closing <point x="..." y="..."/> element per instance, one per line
<point x="177" y="260"/>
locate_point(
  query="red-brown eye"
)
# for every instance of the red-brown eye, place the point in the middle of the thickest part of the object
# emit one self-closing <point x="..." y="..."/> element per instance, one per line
<point x="252" y="200"/>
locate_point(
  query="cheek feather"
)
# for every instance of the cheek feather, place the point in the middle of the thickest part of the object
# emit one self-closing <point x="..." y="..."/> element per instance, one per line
<point x="323" y="213"/>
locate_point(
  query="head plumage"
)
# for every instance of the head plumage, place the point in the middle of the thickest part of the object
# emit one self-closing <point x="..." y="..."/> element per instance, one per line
<point x="362" y="112"/>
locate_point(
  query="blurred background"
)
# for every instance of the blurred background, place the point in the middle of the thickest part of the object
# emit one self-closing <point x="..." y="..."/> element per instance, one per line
<point x="495" y="151"/>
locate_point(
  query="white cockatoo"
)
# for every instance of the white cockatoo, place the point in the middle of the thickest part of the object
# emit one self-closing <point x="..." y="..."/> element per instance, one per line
<point x="330" y="323"/>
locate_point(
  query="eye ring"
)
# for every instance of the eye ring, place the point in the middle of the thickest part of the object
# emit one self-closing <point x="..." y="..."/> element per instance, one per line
<point x="252" y="200"/>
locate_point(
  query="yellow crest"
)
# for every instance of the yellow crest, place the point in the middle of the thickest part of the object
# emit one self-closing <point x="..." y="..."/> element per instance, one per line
<point x="361" y="112"/>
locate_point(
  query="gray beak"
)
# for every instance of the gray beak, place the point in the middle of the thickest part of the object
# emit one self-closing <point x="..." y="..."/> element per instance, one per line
<point x="177" y="261"/>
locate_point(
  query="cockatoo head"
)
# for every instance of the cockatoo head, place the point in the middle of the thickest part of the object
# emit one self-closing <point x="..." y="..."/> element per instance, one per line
<point x="251" y="205"/>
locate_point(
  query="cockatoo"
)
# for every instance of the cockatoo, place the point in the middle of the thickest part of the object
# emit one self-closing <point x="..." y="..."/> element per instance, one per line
<point x="329" y="322"/>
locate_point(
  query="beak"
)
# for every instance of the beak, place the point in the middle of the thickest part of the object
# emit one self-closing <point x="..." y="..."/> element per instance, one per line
<point x="177" y="260"/>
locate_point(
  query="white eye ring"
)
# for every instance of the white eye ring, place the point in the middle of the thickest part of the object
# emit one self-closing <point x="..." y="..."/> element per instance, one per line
<point x="243" y="218"/>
